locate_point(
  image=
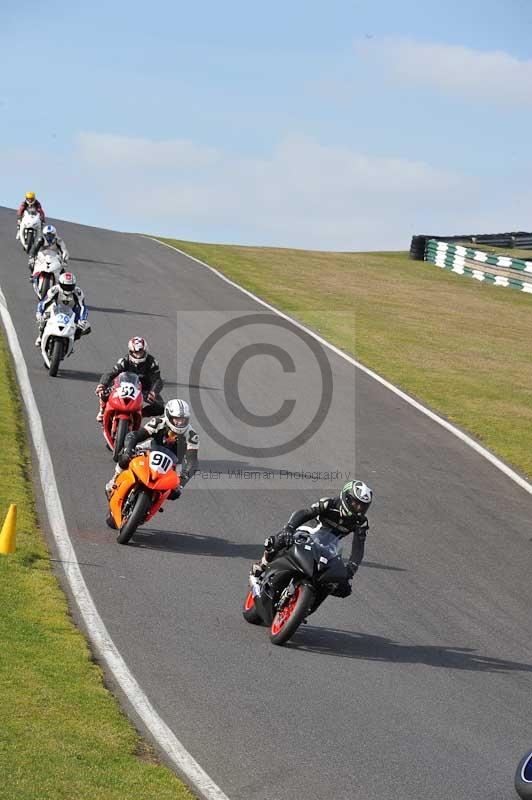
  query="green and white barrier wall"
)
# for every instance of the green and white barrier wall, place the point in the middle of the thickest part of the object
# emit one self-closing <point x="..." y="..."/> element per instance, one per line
<point x="498" y="270"/>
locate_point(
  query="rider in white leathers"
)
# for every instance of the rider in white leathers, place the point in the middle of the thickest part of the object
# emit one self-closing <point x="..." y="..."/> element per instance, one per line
<point x="68" y="294"/>
<point x="48" y="241"/>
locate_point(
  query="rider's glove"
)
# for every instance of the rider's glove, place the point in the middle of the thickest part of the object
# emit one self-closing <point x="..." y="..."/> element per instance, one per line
<point x="39" y="316"/>
<point x="269" y="544"/>
<point x="125" y="457"/>
<point x="285" y="538"/>
<point x="100" y="389"/>
<point x="151" y="397"/>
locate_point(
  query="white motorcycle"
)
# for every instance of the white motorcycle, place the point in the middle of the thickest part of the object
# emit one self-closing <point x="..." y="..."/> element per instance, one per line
<point x="46" y="271"/>
<point x="58" y="336"/>
<point x="30" y="228"/>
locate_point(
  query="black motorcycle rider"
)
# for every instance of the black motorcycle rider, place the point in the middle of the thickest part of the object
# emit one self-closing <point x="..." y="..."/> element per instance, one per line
<point x="173" y="431"/>
<point x="143" y="364"/>
<point x="343" y="515"/>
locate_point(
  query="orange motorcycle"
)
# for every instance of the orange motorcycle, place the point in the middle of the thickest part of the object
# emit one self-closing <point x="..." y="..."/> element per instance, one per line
<point x="140" y="490"/>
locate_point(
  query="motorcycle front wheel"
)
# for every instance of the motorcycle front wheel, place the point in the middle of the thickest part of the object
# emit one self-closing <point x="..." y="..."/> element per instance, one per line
<point x="249" y="612"/>
<point x="55" y="358"/>
<point x="523" y="777"/>
<point x="120" y="434"/>
<point x="28" y="240"/>
<point x="288" y="618"/>
<point x="141" y="506"/>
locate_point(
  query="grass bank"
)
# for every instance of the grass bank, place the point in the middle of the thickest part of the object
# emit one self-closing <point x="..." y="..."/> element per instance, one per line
<point x="462" y="348"/>
<point x="62" y="734"/>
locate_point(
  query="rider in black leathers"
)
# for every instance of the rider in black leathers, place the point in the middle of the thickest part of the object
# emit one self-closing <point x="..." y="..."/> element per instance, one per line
<point x="343" y="515"/>
<point x="143" y="364"/>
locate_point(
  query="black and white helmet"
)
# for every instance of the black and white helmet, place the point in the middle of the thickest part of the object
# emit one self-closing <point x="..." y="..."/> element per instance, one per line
<point x="355" y="499"/>
<point x="177" y="416"/>
<point x="67" y="282"/>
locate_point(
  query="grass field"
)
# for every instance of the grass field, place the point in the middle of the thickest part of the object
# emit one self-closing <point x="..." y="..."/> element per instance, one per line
<point x="461" y="347"/>
<point x="62" y="734"/>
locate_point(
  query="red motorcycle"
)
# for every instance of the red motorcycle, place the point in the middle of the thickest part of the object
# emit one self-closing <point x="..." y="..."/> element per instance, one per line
<point x="123" y="411"/>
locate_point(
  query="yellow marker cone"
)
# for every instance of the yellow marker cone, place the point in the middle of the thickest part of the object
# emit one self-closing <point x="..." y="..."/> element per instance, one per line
<point x="8" y="534"/>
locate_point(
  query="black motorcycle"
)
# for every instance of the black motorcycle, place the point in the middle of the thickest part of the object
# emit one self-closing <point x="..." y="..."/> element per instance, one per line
<point x="295" y="583"/>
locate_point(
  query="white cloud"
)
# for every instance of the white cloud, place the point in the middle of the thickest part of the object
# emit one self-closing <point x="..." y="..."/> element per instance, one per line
<point x="109" y="150"/>
<point x="302" y="194"/>
<point x="455" y="69"/>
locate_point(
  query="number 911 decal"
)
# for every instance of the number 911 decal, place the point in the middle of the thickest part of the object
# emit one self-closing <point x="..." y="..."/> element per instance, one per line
<point x="160" y="462"/>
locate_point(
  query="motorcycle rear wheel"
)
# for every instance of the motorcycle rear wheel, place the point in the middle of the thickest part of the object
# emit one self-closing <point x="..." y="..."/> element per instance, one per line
<point x="249" y="612"/>
<point x="55" y="358"/>
<point x="121" y="431"/>
<point x="288" y="619"/>
<point x="138" y="514"/>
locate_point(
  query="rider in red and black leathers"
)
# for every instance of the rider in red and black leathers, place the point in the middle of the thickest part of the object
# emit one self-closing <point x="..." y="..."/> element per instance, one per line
<point x="143" y="364"/>
<point x="30" y="204"/>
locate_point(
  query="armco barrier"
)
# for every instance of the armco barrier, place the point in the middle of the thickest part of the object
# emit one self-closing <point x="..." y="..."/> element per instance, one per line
<point x="498" y="270"/>
<point x="511" y="240"/>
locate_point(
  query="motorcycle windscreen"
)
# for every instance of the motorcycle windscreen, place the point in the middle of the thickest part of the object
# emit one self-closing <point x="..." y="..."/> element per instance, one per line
<point x="128" y="377"/>
<point x="327" y="550"/>
<point x="127" y="392"/>
<point x="64" y="311"/>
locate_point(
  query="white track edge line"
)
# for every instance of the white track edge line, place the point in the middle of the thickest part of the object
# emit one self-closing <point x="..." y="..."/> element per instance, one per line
<point x="484" y="452"/>
<point x="98" y="633"/>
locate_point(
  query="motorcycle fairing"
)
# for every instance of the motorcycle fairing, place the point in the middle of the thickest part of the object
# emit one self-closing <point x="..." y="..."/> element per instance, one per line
<point x="124" y="482"/>
<point x="114" y="411"/>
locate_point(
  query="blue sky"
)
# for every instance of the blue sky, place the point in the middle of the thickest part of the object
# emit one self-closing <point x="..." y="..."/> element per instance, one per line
<point x="350" y="125"/>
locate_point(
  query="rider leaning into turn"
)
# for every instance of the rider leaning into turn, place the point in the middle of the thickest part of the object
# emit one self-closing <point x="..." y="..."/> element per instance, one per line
<point x="30" y="201"/>
<point x="143" y="364"/>
<point x="67" y="294"/>
<point x="48" y="241"/>
<point x="173" y="431"/>
<point x="343" y="515"/>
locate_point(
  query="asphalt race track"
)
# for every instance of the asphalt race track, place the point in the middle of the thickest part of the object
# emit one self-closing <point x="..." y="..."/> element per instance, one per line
<point x="419" y="684"/>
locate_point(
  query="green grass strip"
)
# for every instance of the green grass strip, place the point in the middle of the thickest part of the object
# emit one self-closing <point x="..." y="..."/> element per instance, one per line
<point x="460" y="346"/>
<point x="62" y="734"/>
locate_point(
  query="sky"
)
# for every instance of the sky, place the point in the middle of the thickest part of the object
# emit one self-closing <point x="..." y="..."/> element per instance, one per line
<point x="338" y="126"/>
